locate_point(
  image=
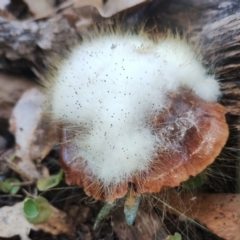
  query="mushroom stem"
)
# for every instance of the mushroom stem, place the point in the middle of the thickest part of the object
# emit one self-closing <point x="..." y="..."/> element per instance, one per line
<point x="131" y="205"/>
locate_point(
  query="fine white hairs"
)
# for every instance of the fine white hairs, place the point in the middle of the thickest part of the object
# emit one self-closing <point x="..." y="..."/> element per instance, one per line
<point x="111" y="85"/>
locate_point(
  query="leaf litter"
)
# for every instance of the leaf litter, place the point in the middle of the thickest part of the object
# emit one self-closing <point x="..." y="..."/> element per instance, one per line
<point x="34" y="135"/>
<point x="13" y="222"/>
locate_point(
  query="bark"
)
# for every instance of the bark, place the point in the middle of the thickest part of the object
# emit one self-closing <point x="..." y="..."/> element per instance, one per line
<point x="25" y="46"/>
<point x="213" y="26"/>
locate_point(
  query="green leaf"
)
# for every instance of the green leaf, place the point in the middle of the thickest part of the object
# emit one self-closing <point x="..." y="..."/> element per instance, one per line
<point x="176" y="236"/>
<point x="36" y="210"/>
<point x="6" y="186"/>
<point x="195" y="182"/>
<point x="105" y="210"/>
<point x="30" y="208"/>
<point x="49" y="182"/>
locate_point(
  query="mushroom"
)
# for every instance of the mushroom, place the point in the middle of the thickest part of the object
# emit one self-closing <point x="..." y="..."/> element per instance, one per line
<point x="134" y="115"/>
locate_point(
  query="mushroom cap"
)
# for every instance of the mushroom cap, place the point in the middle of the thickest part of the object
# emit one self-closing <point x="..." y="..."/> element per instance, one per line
<point x="192" y="150"/>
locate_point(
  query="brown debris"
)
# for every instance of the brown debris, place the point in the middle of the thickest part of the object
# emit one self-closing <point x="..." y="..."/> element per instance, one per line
<point x="58" y="223"/>
<point x="147" y="226"/>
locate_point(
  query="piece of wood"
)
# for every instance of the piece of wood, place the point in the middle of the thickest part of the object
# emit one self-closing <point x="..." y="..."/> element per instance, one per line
<point x="25" y="45"/>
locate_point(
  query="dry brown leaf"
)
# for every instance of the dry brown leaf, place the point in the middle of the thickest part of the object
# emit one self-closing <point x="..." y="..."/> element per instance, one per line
<point x="40" y="8"/>
<point x="11" y="89"/>
<point x="78" y="21"/>
<point x="35" y="136"/>
<point x="109" y="8"/>
<point x="58" y="223"/>
<point x="13" y="222"/>
<point x="218" y="212"/>
<point x="8" y="158"/>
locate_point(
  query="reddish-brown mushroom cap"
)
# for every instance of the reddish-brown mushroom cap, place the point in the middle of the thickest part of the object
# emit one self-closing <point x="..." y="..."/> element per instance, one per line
<point x="200" y="146"/>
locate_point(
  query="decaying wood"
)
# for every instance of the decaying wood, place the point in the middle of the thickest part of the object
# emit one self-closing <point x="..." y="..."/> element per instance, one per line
<point x="211" y="25"/>
<point x="26" y="45"/>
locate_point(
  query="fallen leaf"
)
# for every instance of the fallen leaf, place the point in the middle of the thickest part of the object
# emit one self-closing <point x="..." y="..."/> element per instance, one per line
<point x="105" y="210"/>
<point x="78" y="18"/>
<point x="58" y="223"/>
<point x="13" y="222"/>
<point x="9" y="160"/>
<point x="110" y="7"/>
<point x="49" y="182"/>
<point x="11" y="89"/>
<point x="218" y="212"/>
<point x="35" y="136"/>
<point x="40" y="8"/>
<point x="7" y="187"/>
<point x="36" y="210"/>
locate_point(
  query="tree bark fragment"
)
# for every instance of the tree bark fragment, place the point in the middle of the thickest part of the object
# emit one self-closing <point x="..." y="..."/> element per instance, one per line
<point x="213" y="26"/>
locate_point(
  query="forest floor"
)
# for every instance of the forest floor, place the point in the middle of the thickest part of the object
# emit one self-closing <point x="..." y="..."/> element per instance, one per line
<point x="30" y="33"/>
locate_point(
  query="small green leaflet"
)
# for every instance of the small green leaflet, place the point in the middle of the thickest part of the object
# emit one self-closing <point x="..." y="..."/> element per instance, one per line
<point x="36" y="210"/>
<point x="6" y="186"/>
<point x="49" y="182"/>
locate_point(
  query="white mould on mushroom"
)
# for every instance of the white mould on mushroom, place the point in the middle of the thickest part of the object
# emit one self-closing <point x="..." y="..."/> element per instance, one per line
<point x="134" y="112"/>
